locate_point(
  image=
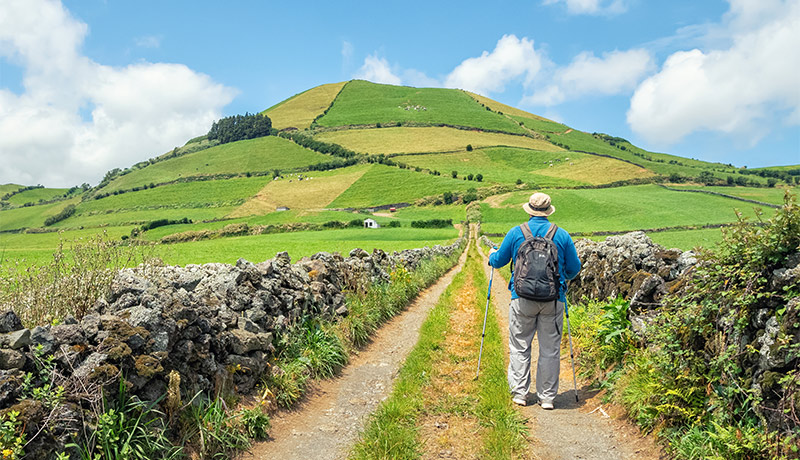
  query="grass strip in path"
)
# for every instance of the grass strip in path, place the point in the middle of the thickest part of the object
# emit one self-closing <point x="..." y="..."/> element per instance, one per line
<point x="437" y="408"/>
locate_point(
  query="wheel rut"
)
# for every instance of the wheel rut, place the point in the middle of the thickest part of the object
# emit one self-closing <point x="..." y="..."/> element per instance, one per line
<point x="328" y="420"/>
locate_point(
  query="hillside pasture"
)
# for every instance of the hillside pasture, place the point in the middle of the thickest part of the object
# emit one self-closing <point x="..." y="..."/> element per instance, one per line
<point x="497" y="164"/>
<point x="36" y="195"/>
<point x="8" y="188"/>
<point x="503" y="108"/>
<point x="596" y="170"/>
<point x="617" y="209"/>
<point x="403" y="140"/>
<point x="224" y="192"/>
<point x="364" y="103"/>
<point x="382" y="184"/>
<point x="31" y="216"/>
<point x="300" y="110"/>
<point x="772" y="195"/>
<point x="252" y="155"/>
<point x="258" y="248"/>
<point x="38" y="248"/>
<point x="314" y="193"/>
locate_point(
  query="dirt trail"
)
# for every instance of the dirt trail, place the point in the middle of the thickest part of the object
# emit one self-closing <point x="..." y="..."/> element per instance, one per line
<point x="328" y="421"/>
<point x="573" y="430"/>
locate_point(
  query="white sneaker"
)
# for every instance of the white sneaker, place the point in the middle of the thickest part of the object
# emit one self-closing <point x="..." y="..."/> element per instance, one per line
<point x="520" y="401"/>
<point x="547" y="405"/>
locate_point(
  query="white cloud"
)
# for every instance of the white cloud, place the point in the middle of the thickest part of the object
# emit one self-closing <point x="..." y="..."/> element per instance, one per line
<point x="742" y="89"/>
<point x="614" y="73"/>
<point x="595" y="7"/>
<point x="137" y="112"/>
<point x="148" y="41"/>
<point x="377" y="70"/>
<point x="347" y="50"/>
<point x="511" y="59"/>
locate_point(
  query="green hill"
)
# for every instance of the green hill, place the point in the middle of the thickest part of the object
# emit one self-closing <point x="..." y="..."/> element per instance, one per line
<point x="367" y="145"/>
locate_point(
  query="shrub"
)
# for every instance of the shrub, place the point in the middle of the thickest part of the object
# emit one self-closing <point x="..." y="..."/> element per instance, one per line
<point x="68" y="211"/>
<point x="470" y="177"/>
<point x="432" y="223"/>
<point x="72" y="282"/>
<point x="454" y="174"/>
<point x="469" y="147"/>
<point x="394" y="224"/>
<point x="479" y="177"/>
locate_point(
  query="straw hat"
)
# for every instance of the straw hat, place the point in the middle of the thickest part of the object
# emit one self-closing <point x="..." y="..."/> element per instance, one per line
<point x="539" y="205"/>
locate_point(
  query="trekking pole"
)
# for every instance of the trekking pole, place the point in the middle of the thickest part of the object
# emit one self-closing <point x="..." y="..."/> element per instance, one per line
<point x="571" y="356"/>
<point x="485" y="315"/>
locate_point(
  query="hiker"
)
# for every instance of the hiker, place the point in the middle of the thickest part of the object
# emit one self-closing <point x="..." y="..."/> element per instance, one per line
<point x="527" y="317"/>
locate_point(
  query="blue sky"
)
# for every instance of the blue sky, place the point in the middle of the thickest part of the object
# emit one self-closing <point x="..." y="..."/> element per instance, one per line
<point x="89" y="85"/>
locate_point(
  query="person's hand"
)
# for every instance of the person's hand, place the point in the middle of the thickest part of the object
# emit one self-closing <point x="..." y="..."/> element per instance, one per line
<point x="492" y="251"/>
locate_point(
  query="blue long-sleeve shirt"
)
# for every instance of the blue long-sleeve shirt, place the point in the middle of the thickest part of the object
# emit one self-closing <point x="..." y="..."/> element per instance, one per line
<point x="568" y="263"/>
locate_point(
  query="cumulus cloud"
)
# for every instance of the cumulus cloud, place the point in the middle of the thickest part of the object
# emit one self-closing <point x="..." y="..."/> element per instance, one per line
<point x="743" y="88"/>
<point x="608" y="7"/>
<point x="511" y="59"/>
<point x="130" y="113"/>
<point x="614" y="73"/>
<point x="377" y="70"/>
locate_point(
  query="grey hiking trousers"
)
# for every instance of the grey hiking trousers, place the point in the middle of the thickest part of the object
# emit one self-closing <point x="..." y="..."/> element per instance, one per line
<point x="526" y="318"/>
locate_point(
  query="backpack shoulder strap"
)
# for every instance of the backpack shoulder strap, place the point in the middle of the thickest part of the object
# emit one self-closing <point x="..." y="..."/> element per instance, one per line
<point x="551" y="232"/>
<point x="526" y="231"/>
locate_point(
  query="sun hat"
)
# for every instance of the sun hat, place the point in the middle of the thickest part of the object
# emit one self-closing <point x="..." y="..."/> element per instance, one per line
<point x="539" y="205"/>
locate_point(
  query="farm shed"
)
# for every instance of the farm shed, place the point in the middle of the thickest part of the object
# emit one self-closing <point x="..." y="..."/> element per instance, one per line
<point x="370" y="223"/>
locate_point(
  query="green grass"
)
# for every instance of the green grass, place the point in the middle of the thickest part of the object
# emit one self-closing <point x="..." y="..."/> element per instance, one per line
<point x="364" y="103"/>
<point x="226" y="192"/>
<point x="579" y="140"/>
<point x="8" y="188"/>
<point x="300" y="110"/>
<point x="299" y="244"/>
<point x="619" y="209"/>
<point x="506" y="165"/>
<point x="36" y="195"/>
<point x="392" y="431"/>
<point x="428" y="139"/>
<point x="138" y="217"/>
<point x="767" y="195"/>
<point x="252" y="155"/>
<point x="386" y="185"/>
<point x="31" y="216"/>
<point x="38" y="248"/>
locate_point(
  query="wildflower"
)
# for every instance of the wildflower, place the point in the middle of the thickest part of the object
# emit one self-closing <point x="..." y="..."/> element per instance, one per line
<point x="8" y="453"/>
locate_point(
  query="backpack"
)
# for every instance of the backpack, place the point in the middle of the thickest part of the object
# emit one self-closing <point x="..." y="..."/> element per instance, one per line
<point x="536" y="276"/>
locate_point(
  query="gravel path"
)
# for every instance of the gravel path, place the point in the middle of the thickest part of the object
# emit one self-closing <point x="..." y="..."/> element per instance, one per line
<point x="330" y="418"/>
<point x="573" y="430"/>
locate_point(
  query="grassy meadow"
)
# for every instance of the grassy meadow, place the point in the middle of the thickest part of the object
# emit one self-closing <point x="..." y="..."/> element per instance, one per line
<point x="400" y="140"/>
<point x="618" y="209"/>
<point x="253" y="155"/>
<point x="36" y="195"/>
<point x="31" y="216"/>
<point x="386" y="185"/>
<point x="258" y="248"/>
<point x="300" y="110"/>
<point x="364" y="103"/>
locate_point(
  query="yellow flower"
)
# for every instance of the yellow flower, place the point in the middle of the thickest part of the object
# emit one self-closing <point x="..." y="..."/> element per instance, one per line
<point x="8" y="453"/>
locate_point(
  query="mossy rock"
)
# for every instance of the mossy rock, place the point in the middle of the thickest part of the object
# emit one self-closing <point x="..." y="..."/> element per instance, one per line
<point x="148" y="366"/>
<point x="115" y="349"/>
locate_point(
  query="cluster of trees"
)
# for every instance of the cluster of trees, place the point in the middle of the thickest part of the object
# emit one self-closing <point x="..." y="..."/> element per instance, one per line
<point x="476" y="177"/>
<point x="239" y="127"/>
<point x="319" y="146"/>
<point x="787" y="175"/>
<point x="65" y="213"/>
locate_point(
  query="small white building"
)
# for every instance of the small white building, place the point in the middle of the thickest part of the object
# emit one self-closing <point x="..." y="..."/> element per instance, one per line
<point x="282" y="208"/>
<point x="370" y="223"/>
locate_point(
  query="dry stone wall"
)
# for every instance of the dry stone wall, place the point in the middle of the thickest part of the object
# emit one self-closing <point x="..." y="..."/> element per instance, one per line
<point x="215" y="324"/>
